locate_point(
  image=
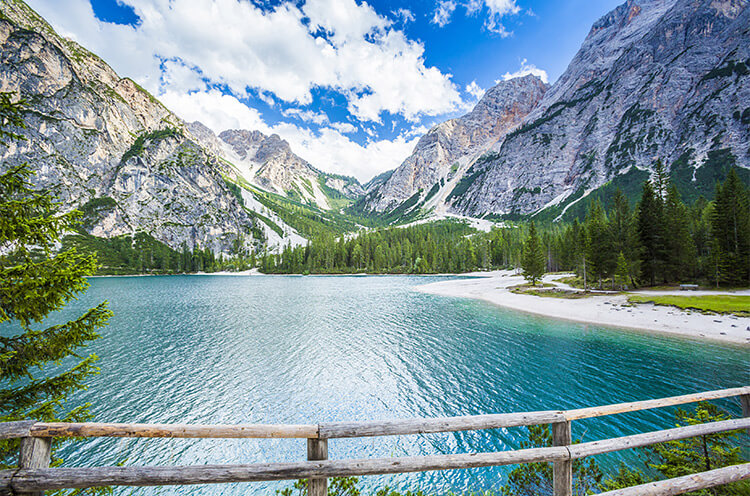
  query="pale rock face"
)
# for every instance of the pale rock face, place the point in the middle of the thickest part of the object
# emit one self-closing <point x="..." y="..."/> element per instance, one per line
<point x="271" y="164"/>
<point x="81" y="128"/>
<point x="445" y="151"/>
<point x="654" y="79"/>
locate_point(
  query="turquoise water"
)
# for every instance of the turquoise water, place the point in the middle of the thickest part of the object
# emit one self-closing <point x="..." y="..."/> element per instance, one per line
<point x="222" y="349"/>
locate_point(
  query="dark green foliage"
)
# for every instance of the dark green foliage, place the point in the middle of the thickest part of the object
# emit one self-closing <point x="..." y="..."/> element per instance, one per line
<point x="624" y="238"/>
<point x="137" y="147"/>
<point x="332" y="193"/>
<point x="624" y="477"/>
<point x="35" y="282"/>
<point x="276" y="228"/>
<point x="678" y="245"/>
<point x="337" y="486"/>
<point x="533" y="261"/>
<point x="308" y="220"/>
<point x="668" y="460"/>
<point x="435" y="188"/>
<point x="600" y="251"/>
<point x="730" y="230"/>
<point x="650" y="234"/>
<point x="535" y="479"/>
<point x="94" y="209"/>
<point x="467" y="180"/>
<point x="141" y="253"/>
<point x="10" y="118"/>
<point x="235" y="190"/>
<point x="427" y="248"/>
<point x="629" y="185"/>
<point x="405" y="211"/>
<point x="715" y="169"/>
<point x="137" y="254"/>
<point x="700" y="454"/>
<point x="731" y="67"/>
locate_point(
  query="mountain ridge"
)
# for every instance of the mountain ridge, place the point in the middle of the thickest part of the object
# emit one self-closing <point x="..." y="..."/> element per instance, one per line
<point x="448" y="149"/>
<point x="653" y="79"/>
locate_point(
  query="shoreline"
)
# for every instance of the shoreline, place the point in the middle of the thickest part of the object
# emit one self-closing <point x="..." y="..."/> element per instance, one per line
<point x="608" y="310"/>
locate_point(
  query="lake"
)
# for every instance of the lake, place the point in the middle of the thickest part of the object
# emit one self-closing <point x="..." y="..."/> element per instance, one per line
<point x="224" y="349"/>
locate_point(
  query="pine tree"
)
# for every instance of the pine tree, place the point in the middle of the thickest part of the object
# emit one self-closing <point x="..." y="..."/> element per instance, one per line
<point x="624" y="235"/>
<point x="533" y="261"/>
<point x="700" y="454"/>
<point x="536" y="479"/>
<point x="600" y="253"/>
<point x="650" y="234"/>
<point x="622" y="273"/>
<point x="730" y="230"/>
<point x="36" y="281"/>
<point x="678" y="245"/>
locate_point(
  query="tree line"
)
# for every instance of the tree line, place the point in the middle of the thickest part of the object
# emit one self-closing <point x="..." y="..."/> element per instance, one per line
<point x="660" y="241"/>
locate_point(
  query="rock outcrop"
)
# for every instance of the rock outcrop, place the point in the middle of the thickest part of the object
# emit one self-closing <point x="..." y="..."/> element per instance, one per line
<point x="443" y="154"/>
<point x="104" y="145"/>
<point x="665" y="79"/>
<point x="269" y="163"/>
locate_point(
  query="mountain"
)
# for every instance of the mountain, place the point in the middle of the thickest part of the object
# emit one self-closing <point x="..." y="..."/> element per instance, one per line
<point x="665" y="79"/>
<point x="106" y="146"/>
<point x="269" y="163"/>
<point x="443" y="155"/>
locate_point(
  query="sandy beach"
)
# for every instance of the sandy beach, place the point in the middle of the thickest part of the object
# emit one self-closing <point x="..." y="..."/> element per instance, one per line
<point x="610" y="310"/>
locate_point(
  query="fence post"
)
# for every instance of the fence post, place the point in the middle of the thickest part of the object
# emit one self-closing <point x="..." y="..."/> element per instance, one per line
<point x="35" y="453"/>
<point x="745" y="402"/>
<point x="317" y="449"/>
<point x="562" y="471"/>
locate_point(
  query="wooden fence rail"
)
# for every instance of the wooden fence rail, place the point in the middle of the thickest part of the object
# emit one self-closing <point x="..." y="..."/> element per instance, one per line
<point x="34" y="475"/>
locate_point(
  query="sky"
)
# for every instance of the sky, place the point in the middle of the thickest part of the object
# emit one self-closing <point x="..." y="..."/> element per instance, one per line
<point x="351" y="84"/>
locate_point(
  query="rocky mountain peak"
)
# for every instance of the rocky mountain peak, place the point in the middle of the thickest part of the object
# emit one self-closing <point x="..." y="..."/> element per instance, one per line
<point x="444" y="153"/>
<point x="242" y="141"/>
<point x="654" y="78"/>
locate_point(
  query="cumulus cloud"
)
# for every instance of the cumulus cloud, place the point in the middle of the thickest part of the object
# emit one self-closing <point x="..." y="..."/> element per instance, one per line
<point x="443" y="12"/>
<point x="307" y="115"/>
<point x="343" y="127"/>
<point x="525" y="70"/>
<point x="495" y="11"/>
<point x="290" y="50"/>
<point x="403" y="15"/>
<point x="475" y="90"/>
<point x="327" y="149"/>
<point x="214" y="109"/>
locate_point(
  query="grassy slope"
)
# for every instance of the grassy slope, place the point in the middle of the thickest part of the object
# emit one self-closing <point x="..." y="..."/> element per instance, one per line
<point x="736" y="304"/>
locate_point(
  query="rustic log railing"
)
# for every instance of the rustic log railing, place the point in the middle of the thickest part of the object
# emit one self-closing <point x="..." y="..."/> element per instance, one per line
<point x="34" y="476"/>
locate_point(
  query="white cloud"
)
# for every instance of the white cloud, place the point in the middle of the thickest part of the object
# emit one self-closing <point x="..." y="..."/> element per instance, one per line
<point x="179" y="77"/>
<point x="363" y="56"/>
<point x="525" y="70"/>
<point x="328" y="149"/>
<point x="214" y="109"/>
<point x="417" y="131"/>
<point x="496" y="10"/>
<point x="443" y="12"/>
<point x="343" y="127"/>
<point x="475" y="90"/>
<point x="404" y="16"/>
<point x="307" y="115"/>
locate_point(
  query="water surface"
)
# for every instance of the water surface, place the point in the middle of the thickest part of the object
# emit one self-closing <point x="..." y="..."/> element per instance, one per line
<point x="223" y="349"/>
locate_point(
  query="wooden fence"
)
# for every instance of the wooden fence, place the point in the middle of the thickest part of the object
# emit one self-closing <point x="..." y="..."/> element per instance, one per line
<point x="34" y="476"/>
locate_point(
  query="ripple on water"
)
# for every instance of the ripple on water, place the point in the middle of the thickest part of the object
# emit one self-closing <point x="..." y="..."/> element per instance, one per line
<point x="208" y="349"/>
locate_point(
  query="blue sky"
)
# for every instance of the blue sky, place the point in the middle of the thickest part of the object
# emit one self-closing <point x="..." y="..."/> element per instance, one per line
<point x="350" y="84"/>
